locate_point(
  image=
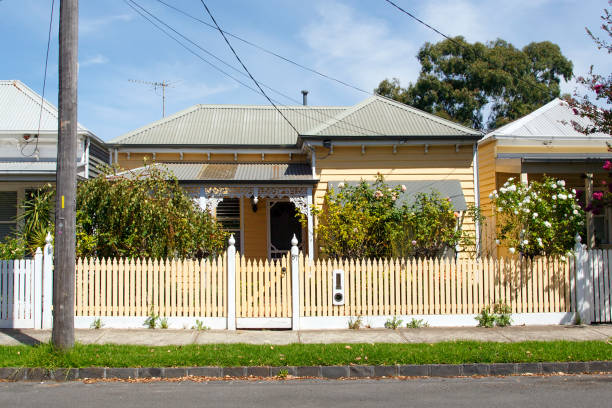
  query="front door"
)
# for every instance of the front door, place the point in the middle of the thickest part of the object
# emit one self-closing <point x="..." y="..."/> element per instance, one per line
<point x="283" y="224"/>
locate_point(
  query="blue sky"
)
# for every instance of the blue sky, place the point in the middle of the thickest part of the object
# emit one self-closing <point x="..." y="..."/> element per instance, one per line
<point x="357" y="41"/>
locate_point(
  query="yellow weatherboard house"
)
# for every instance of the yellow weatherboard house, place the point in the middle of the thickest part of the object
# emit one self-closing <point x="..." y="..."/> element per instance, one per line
<point x="254" y="170"/>
<point x="545" y="143"/>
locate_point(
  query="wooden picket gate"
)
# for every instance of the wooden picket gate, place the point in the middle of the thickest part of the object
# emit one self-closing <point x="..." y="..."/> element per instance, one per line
<point x="600" y="271"/>
<point x="263" y="293"/>
<point x="17" y="294"/>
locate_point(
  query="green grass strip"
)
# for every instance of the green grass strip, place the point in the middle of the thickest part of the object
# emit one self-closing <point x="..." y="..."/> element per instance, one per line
<point x="229" y="355"/>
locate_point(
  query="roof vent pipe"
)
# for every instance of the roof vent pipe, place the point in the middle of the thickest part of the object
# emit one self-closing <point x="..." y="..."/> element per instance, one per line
<point x="304" y="97"/>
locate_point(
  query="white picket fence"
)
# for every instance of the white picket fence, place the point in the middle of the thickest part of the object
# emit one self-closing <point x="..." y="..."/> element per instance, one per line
<point x="295" y="292"/>
<point x="25" y="291"/>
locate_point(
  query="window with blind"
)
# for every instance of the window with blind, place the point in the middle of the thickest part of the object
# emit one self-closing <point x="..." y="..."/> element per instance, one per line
<point x="8" y="212"/>
<point x="228" y="214"/>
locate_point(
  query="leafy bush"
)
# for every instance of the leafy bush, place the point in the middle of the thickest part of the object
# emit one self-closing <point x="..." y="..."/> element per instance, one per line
<point x="393" y="323"/>
<point x="365" y="221"/>
<point x="426" y="228"/>
<point x="124" y="214"/>
<point x="541" y="218"/>
<point x="151" y="321"/>
<point x="485" y="318"/>
<point x="199" y="326"/>
<point x="163" y="323"/>
<point x="416" y="323"/>
<point x="355" y="324"/>
<point x="97" y="324"/>
<point x="499" y="316"/>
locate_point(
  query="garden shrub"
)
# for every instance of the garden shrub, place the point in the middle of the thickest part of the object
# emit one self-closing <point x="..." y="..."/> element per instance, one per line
<point x="541" y="218"/>
<point x="123" y="215"/>
<point x="365" y="221"/>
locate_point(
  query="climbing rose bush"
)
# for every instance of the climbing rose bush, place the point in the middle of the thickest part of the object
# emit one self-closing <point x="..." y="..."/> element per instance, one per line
<point x="541" y="218"/>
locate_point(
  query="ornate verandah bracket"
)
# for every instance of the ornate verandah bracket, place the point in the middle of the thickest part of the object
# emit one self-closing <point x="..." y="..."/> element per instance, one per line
<point x="210" y="197"/>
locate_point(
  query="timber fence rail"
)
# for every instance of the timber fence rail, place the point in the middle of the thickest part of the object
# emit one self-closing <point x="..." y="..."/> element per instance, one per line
<point x="135" y="287"/>
<point x="436" y="286"/>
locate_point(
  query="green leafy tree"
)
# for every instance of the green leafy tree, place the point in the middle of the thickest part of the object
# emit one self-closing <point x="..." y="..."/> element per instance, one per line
<point x="144" y="214"/>
<point x="427" y="228"/>
<point x="365" y="221"/>
<point x="541" y="218"/>
<point x="595" y="104"/>
<point x="460" y="80"/>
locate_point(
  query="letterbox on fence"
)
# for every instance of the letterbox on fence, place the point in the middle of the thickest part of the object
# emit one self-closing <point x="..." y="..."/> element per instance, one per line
<point x="338" y="299"/>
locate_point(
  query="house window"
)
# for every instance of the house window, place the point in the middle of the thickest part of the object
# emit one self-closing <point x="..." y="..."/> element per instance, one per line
<point x="602" y="227"/>
<point x="228" y="214"/>
<point x="8" y="212"/>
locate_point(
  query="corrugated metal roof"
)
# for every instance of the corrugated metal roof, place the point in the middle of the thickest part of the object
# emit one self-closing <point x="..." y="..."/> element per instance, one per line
<point x="551" y="120"/>
<point x="263" y="125"/>
<point x="20" y="110"/>
<point x="447" y="188"/>
<point x="230" y="125"/>
<point x="235" y="172"/>
<point x="380" y="116"/>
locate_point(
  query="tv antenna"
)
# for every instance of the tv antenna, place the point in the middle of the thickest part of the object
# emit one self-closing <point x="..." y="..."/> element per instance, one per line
<point x="156" y="85"/>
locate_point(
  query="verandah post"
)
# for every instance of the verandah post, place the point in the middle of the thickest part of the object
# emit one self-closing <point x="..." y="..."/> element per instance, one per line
<point x="47" y="284"/>
<point x="295" y="285"/>
<point x="231" y="284"/>
<point x="583" y="281"/>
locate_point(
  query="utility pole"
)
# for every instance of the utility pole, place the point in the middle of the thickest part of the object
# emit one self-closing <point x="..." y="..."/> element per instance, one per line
<point x="65" y="204"/>
<point x="163" y="85"/>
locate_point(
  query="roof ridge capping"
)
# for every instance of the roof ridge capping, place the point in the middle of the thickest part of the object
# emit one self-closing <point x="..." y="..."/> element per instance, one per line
<point x="411" y="109"/>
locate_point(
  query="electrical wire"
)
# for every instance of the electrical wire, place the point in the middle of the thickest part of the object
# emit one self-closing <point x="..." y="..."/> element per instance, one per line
<point x="531" y="84"/>
<point x="259" y="47"/>
<point x="244" y="66"/>
<point x="208" y="52"/>
<point x="42" y="97"/>
<point x="298" y="110"/>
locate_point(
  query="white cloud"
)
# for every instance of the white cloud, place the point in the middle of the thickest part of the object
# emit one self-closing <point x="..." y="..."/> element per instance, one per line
<point x="89" y="26"/>
<point x="358" y="48"/>
<point x="95" y="60"/>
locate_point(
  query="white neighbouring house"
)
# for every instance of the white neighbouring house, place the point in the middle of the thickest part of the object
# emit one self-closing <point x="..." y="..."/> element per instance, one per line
<point x="28" y="150"/>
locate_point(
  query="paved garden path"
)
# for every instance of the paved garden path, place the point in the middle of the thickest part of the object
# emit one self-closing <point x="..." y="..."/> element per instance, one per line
<point x="159" y="337"/>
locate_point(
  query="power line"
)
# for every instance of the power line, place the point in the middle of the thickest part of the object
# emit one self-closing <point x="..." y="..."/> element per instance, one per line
<point x="298" y="111"/>
<point x="208" y="52"/>
<point x="244" y="66"/>
<point x="259" y="47"/>
<point x="42" y="97"/>
<point x="531" y="84"/>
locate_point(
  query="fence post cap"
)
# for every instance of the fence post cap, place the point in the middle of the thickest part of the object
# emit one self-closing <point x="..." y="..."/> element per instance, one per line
<point x="294" y="241"/>
<point x="38" y="251"/>
<point x="231" y="240"/>
<point x="48" y="238"/>
<point x="578" y="238"/>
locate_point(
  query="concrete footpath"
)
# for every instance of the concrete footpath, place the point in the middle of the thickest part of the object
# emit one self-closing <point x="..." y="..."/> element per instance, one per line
<point x="159" y="337"/>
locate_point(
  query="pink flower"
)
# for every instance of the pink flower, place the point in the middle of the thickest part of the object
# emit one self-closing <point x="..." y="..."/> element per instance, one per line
<point x="597" y="88"/>
<point x="414" y="242"/>
<point x="378" y="194"/>
<point x="598" y="195"/>
<point x="403" y="188"/>
<point x="575" y="111"/>
<point x="456" y="214"/>
<point x="607" y="165"/>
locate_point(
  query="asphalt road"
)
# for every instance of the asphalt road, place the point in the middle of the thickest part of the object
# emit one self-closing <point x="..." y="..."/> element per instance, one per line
<point x="541" y="392"/>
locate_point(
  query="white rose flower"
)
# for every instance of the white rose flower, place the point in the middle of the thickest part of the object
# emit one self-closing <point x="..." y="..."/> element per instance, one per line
<point x="511" y="250"/>
<point x="561" y="183"/>
<point x="510" y="179"/>
<point x="499" y="209"/>
<point x="535" y="215"/>
<point x="527" y="210"/>
<point x="562" y="197"/>
<point x="491" y="196"/>
<point x="515" y="212"/>
<point x="503" y="190"/>
<point x="497" y="241"/>
<point x="563" y="258"/>
<point x="525" y="242"/>
<point x="512" y="188"/>
<point x="575" y="212"/>
<point x="554" y="197"/>
<point x="341" y="185"/>
<point x="573" y="191"/>
<point x="547" y="224"/>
